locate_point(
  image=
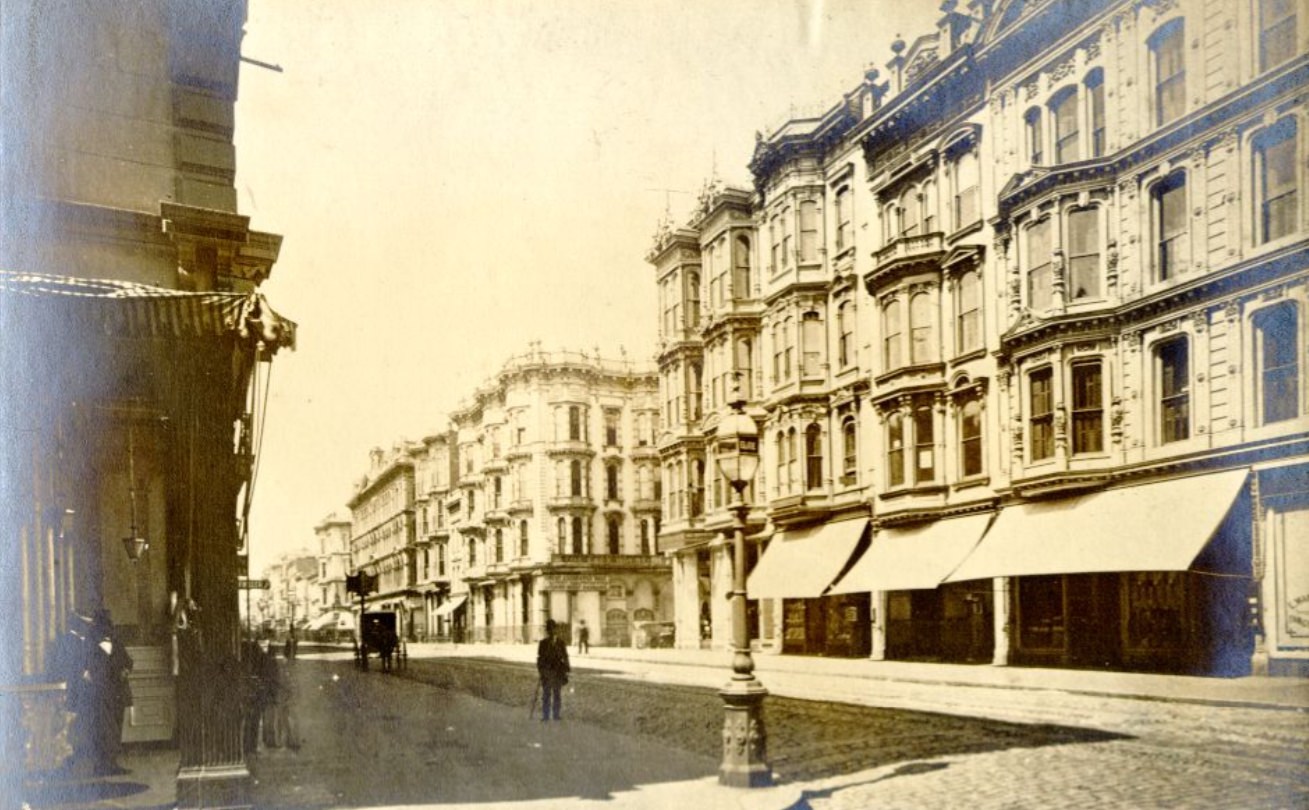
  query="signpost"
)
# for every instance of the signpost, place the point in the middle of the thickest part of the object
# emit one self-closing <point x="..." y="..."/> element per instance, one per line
<point x="247" y="584"/>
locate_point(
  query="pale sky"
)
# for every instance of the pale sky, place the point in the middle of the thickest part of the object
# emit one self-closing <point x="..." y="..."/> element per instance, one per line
<point x="455" y="179"/>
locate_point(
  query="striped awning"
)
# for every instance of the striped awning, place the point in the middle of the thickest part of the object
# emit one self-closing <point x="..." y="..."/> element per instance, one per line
<point x="122" y="308"/>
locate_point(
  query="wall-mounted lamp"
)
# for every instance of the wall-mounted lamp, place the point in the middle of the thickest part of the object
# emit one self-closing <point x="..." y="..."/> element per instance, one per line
<point x="133" y="544"/>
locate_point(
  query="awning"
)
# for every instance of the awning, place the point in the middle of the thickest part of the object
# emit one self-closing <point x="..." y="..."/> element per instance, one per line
<point x="450" y="606"/>
<point x="801" y="564"/>
<point x="921" y="556"/>
<point x="332" y="619"/>
<point x="128" y="309"/>
<point x="1149" y="527"/>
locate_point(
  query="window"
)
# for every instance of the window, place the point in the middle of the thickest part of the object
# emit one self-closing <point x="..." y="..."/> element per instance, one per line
<point x="1095" y="111"/>
<point x="612" y="417"/>
<point x="741" y="269"/>
<point x="574" y="422"/>
<point x="813" y="447"/>
<point x="928" y="198"/>
<point x="499" y="545"/>
<point x="966" y="209"/>
<point x="788" y="351"/>
<point x="615" y="532"/>
<point x="1174" y="372"/>
<point x="844" y="233"/>
<point x="1040" y="287"/>
<point x="744" y="376"/>
<point x="781" y="463"/>
<point x="692" y="300"/>
<point x="1276" y="341"/>
<point x="1277" y="31"/>
<point x="497" y="491"/>
<point x="1088" y="408"/>
<point x="970" y="436"/>
<point x="922" y="341"/>
<point x="891" y="349"/>
<point x="575" y="478"/>
<point x="773" y="233"/>
<point x="578" y="541"/>
<point x="1168" y="57"/>
<point x="1083" y="254"/>
<point x="561" y="534"/>
<point x="645" y="537"/>
<point x="787" y="229"/>
<point x="968" y="305"/>
<point x="845" y="330"/>
<point x="1170" y="222"/>
<point x="808" y="231"/>
<point x="777" y="352"/>
<point x="812" y="335"/>
<point x="611" y="482"/>
<point x="1274" y="172"/>
<point x="1035" y="138"/>
<point x="909" y="213"/>
<point x="472" y="552"/>
<point x="523" y="547"/>
<point x="1063" y="110"/>
<point x="924" y="441"/>
<point x="792" y="460"/>
<point x="1041" y="414"/>
<point x="697" y="391"/>
<point x="850" y="442"/>
<point x="895" y="450"/>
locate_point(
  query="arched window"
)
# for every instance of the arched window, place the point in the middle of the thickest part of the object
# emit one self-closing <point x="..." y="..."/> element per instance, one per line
<point x="524" y="549"/>
<point x="741" y="281"/>
<point x="844" y="232"/>
<point x="645" y="536"/>
<point x="970" y="436"/>
<point x="965" y="178"/>
<point x="893" y="336"/>
<point x="1094" y="84"/>
<point x="781" y="463"/>
<point x="845" y="331"/>
<point x="909" y="212"/>
<point x="1168" y="64"/>
<point x="788" y="357"/>
<point x="615" y="531"/>
<point x="792" y="460"/>
<point x="1275" y="183"/>
<point x="499" y="545"/>
<point x="928" y="200"/>
<point x="922" y="328"/>
<point x="561" y="536"/>
<point x="1173" y="376"/>
<point x="924" y="440"/>
<point x="895" y="449"/>
<point x="745" y="367"/>
<point x="788" y="228"/>
<point x="1277" y="363"/>
<point x="1040" y="282"/>
<point x="777" y="351"/>
<point x="1083" y="254"/>
<point x="1063" y="112"/>
<point x="1035" y="137"/>
<point x="850" y="442"/>
<point x="813" y="444"/>
<point x="692" y="300"/>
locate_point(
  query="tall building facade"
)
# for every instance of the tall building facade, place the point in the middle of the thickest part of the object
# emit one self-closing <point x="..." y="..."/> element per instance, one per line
<point x="1041" y="291"/>
<point x="384" y="537"/>
<point x="136" y="350"/>
<point x="333" y="535"/>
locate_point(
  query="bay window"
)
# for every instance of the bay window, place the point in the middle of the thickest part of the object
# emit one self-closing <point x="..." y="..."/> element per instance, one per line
<point x="1040" y="286"/>
<point x="1083" y="254"/>
<point x="1040" y="416"/>
<point x="1173" y="373"/>
<point x="1088" y="408"/>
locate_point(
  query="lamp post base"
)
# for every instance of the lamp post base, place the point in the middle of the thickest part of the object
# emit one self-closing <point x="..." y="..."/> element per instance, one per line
<point x="745" y="741"/>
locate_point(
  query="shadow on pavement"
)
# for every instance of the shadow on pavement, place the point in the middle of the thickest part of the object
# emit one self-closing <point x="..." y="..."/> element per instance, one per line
<point x="457" y="730"/>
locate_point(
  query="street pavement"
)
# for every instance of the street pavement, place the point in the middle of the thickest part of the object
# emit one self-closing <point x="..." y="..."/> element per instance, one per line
<point x="371" y="740"/>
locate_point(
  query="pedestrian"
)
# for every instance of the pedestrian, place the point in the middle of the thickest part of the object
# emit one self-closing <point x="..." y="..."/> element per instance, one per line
<point x="70" y="662"/>
<point x="278" y="724"/>
<point x="583" y="637"/>
<point x="109" y="668"/>
<point x="552" y="667"/>
<point x="386" y="644"/>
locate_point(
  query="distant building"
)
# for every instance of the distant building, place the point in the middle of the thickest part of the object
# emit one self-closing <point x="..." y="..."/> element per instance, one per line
<point x="384" y="539"/>
<point x="333" y="534"/>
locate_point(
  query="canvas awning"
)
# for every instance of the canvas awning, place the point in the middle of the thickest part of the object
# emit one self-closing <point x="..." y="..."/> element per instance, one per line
<point x="1149" y="527"/>
<point x="909" y="558"/>
<point x="450" y="606"/>
<point x="800" y="564"/>
<point x="334" y="619"/>
<point x="127" y="309"/>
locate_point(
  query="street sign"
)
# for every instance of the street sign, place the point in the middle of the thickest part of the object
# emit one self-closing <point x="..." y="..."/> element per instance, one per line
<point x="252" y="584"/>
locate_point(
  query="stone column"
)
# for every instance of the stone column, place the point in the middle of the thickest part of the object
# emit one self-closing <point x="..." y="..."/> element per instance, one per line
<point x="879" y="601"/>
<point x="1000" y="607"/>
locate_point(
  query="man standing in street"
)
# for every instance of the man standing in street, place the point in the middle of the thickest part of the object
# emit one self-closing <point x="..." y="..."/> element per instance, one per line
<point x="552" y="666"/>
<point x="583" y="637"/>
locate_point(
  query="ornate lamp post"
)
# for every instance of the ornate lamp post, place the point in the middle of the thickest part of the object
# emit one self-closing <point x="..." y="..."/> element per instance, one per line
<point x="744" y="738"/>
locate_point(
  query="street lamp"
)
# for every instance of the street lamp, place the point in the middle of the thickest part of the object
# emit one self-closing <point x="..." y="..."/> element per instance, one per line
<point x="744" y="738"/>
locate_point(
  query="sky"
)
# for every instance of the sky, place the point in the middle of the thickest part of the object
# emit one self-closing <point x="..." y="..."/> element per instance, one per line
<point x="456" y="179"/>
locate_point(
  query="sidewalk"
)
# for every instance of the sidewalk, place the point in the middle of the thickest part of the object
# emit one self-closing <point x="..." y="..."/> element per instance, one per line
<point x="823" y="676"/>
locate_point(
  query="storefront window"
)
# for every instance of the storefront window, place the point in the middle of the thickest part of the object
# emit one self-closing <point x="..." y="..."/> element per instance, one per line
<point x="1041" y="613"/>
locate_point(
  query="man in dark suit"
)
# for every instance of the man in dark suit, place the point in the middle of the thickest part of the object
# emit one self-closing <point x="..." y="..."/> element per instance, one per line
<point x="552" y="666"/>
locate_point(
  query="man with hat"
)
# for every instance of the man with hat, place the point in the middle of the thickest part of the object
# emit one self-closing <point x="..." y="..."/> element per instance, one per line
<point x="552" y="666"/>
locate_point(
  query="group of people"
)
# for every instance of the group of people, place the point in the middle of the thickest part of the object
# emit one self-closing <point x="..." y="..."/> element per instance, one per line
<point x="94" y="666"/>
<point x="270" y="690"/>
